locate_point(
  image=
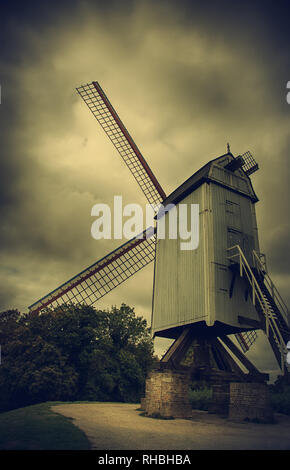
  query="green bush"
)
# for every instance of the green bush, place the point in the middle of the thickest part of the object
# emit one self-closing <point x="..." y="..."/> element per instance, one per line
<point x="280" y="401"/>
<point x="280" y="394"/>
<point x="200" y="397"/>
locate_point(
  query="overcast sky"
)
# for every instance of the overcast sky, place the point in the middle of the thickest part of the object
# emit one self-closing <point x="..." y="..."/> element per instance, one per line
<point x="185" y="77"/>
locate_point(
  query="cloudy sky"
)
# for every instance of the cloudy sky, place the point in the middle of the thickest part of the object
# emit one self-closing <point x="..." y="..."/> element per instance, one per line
<point x="186" y="77"/>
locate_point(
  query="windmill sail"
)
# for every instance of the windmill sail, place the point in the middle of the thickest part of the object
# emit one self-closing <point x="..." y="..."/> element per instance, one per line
<point x="103" y="276"/>
<point x="246" y="339"/>
<point x="249" y="163"/>
<point x="98" y="103"/>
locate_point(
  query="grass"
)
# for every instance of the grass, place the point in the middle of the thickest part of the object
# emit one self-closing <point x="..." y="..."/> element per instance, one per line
<point x="36" y="427"/>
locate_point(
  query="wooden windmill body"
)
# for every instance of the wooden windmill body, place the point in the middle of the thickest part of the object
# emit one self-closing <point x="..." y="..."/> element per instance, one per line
<point x="196" y="287"/>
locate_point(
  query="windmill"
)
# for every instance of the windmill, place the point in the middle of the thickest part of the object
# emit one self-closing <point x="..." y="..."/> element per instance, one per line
<point x="220" y="289"/>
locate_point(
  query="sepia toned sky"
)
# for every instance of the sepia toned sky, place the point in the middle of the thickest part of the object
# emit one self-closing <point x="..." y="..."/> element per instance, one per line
<point x="185" y="77"/>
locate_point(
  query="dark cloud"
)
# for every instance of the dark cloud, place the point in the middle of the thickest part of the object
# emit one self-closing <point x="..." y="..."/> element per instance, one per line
<point x="279" y="247"/>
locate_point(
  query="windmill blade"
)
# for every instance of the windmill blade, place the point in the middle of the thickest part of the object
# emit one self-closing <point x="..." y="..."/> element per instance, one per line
<point x="246" y="339"/>
<point x="103" y="276"/>
<point x="98" y="103"/>
<point x="249" y="163"/>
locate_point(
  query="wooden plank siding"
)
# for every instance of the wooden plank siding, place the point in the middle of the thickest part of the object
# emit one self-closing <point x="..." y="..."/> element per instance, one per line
<point x="194" y="286"/>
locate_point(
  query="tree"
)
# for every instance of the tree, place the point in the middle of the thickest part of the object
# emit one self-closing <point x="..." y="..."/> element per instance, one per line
<point x="73" y="353"/>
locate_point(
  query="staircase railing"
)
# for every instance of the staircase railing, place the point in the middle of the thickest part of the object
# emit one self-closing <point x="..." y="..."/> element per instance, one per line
<point x="238" y="256"/>
<point x="260" y="264"/>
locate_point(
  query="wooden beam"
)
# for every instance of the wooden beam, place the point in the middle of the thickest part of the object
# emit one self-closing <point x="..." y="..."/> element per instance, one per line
<point x="230" y="360"/>
<point x="219" y="358"/>
<point x="238" y="353"/>
<point x="248" y="321"/>
<point x="176" y="346"/>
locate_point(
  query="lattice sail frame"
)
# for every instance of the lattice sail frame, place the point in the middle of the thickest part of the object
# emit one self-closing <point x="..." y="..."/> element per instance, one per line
<point x="246" y="339"/>
<point x="250" y="165"/>
<point x="100" y="106"/>
<point x="103" y="276"/>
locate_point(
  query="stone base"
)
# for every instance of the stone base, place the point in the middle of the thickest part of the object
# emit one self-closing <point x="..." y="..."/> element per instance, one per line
<point x="167" y="394"/>
<point x="143" y="404"/>
<point x="250" y="402"/>
<point x="220" y="399"/>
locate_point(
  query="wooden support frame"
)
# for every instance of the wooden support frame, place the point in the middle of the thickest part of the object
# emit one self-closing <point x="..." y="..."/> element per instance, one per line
<point x="233" y="366"/>
<point x="251" y="323"/>
<point x="178" y="349"/>
<point x="225" y="359"/>
<point x="253" y="371"/>
<point x="238" y="353"/>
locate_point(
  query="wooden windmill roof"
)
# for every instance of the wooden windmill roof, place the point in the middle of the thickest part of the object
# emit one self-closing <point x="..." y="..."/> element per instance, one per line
<point x="207" y="174"/>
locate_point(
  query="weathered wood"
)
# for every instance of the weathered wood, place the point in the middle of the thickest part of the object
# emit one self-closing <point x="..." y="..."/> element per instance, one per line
<point x="226" y="362"/>
<point x="238" y="353"/>
<point x="233" y="280"/>
<point x="248" y="321"/>
<point x="219" y="358"/>
<point x="184" y="280"/>
<point x="227" y="357"/>
<point x="175" y="348"/>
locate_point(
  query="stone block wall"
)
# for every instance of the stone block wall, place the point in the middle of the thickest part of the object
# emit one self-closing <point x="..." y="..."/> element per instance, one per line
<point x="250" y="402"/>
<point x="143" y="404"/>
<point x="167" y="394"/>
<point x="220" y="399"/>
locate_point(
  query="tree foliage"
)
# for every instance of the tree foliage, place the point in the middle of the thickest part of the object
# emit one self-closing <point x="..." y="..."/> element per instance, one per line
<point x="73" y="353"/>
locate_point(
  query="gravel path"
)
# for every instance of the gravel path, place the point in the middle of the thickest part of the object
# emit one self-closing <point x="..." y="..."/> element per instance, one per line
<point x="110" y="426"/>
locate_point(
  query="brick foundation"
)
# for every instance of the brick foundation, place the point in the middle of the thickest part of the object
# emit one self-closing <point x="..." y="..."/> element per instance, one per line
<point x="167" y="394"/>
<point x="220" y="399"/>
<point x="143" y="404"/>
<point x="250" y="402"/>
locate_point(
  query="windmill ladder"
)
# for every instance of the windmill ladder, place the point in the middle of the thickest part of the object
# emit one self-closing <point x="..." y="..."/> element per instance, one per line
<point x="270" y="307"/>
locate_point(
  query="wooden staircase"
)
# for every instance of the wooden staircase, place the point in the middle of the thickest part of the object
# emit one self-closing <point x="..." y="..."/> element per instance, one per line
<point x="272" y="310"/>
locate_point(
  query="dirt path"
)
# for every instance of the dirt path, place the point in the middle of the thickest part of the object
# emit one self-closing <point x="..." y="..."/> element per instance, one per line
<point x="110" y="426"/>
